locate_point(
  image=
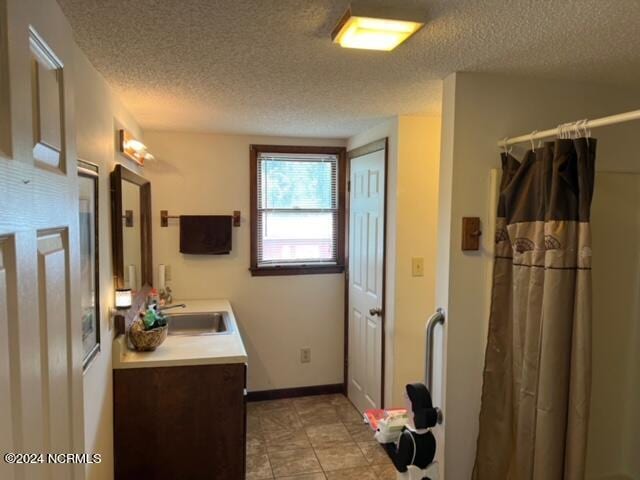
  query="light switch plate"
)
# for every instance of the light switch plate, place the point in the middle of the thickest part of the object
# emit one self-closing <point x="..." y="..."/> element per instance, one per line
<point x="417" y="266"/>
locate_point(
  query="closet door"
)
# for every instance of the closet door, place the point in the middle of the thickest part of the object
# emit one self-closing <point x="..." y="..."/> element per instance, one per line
<point x="40" y="330"/>
<point x="366" y="280"/>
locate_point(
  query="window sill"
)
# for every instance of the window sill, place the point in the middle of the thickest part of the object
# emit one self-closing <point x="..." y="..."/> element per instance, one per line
<point x="295" y="270"/>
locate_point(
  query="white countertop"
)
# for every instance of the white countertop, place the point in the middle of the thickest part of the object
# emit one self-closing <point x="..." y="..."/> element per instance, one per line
<point x="180" y="350"/>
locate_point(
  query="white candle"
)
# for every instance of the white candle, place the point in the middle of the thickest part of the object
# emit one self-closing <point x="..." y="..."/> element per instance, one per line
<point x="133" y="281"/>
<point x="161" y="277"/>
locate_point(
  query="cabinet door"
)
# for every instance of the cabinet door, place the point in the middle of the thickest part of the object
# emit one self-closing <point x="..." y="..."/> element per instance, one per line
<point x="180" y="422"/>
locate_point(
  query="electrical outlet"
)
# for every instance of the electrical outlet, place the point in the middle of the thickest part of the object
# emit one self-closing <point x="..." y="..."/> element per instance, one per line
<point x="167" y="273"/>
<point x="417" y="267"/>
<point x="305" y="355"/>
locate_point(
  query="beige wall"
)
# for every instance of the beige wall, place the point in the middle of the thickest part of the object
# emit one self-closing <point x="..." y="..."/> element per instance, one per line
<point x="478" y="110"/>
<point x="416" y="224"/>
<point x="613" y="437"/>
<point x="99" y="114"/>
<point x="632" y="428"/>
<point x="209" y="174"/>
<point x="412" y="183"/>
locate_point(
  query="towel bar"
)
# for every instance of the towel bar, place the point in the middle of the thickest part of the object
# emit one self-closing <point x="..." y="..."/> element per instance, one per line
<point x="164" y="218"/>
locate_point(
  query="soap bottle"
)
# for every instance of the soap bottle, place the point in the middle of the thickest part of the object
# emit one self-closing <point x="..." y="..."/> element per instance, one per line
<point x="154" y="297"/>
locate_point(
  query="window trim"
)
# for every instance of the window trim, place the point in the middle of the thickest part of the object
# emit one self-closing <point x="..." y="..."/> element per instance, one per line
<point x="303" y="269"/>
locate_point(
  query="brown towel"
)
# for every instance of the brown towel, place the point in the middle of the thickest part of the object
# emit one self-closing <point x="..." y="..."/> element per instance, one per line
<point x="205" y="234"/>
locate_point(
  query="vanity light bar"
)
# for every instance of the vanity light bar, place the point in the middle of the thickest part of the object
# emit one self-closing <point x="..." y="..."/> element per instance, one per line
<point x="133" y="149"/>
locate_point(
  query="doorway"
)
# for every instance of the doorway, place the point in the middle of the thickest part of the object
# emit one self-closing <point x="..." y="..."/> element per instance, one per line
<point x="365" y="280"/>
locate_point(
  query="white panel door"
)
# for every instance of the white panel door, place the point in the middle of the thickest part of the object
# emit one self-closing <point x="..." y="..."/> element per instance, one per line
<point x="41" y="407"/>
<point x="366" y="262"/>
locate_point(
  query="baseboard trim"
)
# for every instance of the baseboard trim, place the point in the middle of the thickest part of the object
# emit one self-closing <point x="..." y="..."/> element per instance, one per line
<point x="295" y="392"/>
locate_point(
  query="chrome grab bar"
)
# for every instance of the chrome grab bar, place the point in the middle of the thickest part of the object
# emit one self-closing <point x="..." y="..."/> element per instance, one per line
<point x="434" y="320"/>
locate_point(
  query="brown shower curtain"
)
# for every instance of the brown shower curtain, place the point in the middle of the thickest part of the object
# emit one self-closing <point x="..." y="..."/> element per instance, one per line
<point x="537" y="375"/>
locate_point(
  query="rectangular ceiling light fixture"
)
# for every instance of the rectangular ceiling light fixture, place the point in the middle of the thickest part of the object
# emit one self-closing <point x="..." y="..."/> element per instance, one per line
<point x="376" y="29"/>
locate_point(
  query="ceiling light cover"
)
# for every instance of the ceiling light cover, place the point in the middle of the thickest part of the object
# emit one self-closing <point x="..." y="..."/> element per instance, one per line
<point x="373" y="33"/>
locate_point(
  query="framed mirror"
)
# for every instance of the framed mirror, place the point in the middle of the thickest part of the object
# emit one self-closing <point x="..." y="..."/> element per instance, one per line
<point x="89" y="260"/>
<point x="131" y="229"/>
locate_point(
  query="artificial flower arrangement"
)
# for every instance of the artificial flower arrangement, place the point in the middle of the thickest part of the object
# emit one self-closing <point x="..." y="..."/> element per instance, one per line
<point x="149" y="330"/>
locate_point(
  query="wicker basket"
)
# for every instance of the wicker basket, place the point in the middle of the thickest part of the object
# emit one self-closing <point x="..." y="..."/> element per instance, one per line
<point x="146" y="340"/>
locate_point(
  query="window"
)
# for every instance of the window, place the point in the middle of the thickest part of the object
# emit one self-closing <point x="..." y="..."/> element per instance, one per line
<point x="297" y="210"/>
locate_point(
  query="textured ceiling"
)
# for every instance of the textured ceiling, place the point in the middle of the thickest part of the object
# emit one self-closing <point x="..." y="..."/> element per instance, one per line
<point x="269" y="66"/>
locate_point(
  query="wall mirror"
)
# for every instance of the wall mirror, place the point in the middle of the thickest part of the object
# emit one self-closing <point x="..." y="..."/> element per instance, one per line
<point x="131" y="225"/>
<point x="89" y="260"/>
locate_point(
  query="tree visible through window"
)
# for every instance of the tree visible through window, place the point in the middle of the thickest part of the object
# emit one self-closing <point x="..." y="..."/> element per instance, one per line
<point x="298" y="209"/>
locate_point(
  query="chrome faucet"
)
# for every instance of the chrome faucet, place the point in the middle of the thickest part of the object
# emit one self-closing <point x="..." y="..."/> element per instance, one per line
<point x="177" y="305"/>
<point x="166" y="295"/>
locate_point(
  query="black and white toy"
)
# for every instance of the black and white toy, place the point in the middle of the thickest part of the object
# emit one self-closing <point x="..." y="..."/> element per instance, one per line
<point x="416" y="448"/>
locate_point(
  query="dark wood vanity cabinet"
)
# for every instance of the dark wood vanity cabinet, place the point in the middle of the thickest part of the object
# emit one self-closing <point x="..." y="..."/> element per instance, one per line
<point x="182" y="422"/>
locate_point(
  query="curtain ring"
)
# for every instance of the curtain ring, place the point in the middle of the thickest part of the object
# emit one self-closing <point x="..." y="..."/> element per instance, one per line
<point x="531" y="139"/>
<point x="564" y="131"/>
<point x="586" y="131"/>
<point x="577" y="127"/>
<point x="505" y="146"/>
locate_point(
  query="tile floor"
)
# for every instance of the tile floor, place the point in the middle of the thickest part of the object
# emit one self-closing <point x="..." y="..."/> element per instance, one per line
<point x="312" y="438"/>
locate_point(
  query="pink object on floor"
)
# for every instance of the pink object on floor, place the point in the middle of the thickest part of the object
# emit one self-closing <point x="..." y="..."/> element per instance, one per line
<point x="373" y="416"/>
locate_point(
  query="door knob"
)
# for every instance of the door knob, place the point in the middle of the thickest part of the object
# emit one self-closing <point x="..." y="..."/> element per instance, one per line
<point x="375" y="311"/>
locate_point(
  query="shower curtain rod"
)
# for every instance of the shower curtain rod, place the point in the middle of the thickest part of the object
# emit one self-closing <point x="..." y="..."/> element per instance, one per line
<point x="552" y="132"/>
